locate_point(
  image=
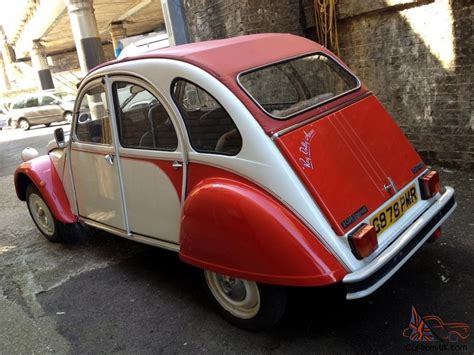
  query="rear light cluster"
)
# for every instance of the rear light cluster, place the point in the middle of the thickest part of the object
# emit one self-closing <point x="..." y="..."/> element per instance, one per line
<point x="429" y="185"/>
<point x="363" y="241"/>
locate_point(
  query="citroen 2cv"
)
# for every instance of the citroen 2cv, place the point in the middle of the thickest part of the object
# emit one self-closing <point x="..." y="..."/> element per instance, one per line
<point x="262" y="160"/>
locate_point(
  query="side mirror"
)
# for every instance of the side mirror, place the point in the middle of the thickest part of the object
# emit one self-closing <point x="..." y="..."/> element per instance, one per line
<point x="59" y="137"/>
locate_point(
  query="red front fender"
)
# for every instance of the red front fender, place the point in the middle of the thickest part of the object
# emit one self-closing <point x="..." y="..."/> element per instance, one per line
<point x="235" y="228"/>
<point x="42" y="173"/>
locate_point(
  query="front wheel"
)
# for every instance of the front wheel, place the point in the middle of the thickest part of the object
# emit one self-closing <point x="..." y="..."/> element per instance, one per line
<point x="67" y="116"/>
<point x="244" y="303"/>
<point x="48" y="225"/>
<point x="24" y="124"/>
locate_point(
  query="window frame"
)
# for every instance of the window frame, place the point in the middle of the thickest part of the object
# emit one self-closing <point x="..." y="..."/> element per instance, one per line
<point x="159" y="98"/>
<point x="286" y="60"/>
<point x="77" y="109"/>
<point x="175" y="101"/>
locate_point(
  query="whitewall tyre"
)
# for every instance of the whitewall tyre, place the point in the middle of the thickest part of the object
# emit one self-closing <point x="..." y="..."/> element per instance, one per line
<point x="246" y="304"/>
<point x="47" y="224"/>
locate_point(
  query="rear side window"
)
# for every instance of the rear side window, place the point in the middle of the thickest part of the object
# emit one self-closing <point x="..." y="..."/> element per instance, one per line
<point x="287" y="88"/>
<point x="32" y="102"/>
<point x="93" y="121"/>
<point x="142" y="120"/>
<point x="47" y="100"/>
<point x="210" y="127"/>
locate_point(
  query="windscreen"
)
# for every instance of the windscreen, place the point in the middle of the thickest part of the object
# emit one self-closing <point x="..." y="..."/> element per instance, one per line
<point x="287" y="88"/>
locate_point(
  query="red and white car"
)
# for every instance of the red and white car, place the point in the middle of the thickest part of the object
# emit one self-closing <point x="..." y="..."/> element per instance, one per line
<point x="261" y="160"/>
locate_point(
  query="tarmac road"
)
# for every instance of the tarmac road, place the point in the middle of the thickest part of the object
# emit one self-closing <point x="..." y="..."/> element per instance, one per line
<point x="108" y="295"/>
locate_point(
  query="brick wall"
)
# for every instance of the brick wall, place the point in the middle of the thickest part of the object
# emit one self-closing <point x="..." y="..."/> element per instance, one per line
<point x="416" y="55"/>
<point x="212" y="19"/>
<point x="68" y="61"/>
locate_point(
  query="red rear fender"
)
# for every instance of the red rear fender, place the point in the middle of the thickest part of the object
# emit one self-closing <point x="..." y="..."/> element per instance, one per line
<point x="42" y="173"/>
<point x="235" y="228"/>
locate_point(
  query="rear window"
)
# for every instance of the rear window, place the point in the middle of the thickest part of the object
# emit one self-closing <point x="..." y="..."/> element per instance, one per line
<point x="287" y="88"/>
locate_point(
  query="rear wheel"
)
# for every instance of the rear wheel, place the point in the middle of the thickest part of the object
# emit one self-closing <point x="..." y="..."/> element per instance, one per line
<point x="244" y="303"/>
<point x="48" y="225"/>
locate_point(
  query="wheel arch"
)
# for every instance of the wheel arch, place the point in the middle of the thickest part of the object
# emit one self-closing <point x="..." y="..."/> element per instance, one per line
<point x="238" y="229"/>
<point x="42" y="173"/>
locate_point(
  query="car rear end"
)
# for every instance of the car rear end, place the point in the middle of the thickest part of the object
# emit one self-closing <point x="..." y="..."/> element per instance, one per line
<point x="373" y="188"/>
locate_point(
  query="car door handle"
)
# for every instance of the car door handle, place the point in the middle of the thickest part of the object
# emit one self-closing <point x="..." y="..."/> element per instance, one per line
<point x="177" y="165"/>
<point x="109" y="159"/>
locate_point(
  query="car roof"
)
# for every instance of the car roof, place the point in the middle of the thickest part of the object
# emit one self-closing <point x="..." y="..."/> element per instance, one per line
<point x="219" y="56"/>
<point x="225" y="59"/>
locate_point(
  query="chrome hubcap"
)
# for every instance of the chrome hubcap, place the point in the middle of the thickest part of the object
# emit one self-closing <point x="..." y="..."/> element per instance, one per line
<point x="23" y="124"/>
<point x="239" y="297"/>
<point x="41" y="214"/>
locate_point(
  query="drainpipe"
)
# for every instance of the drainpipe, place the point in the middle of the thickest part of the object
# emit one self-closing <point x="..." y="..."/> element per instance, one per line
<point x="40" y="65"/>
<point x="175" y="21"/>
<point x="85" y="33"/>
<point x="117" y="32"/>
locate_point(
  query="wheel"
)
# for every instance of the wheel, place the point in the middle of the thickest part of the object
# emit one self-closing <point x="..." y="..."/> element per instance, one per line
<point x="453" y="337"/>
<point x="47" y="124"/>
<point x="52" y="229"/>
<point x="24" y="124"/>
<point x="244" y="303"/>
<point x="67" y="116"/>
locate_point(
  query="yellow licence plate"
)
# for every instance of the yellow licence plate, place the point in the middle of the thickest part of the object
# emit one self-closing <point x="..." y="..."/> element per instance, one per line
<point x="393" y="212"/>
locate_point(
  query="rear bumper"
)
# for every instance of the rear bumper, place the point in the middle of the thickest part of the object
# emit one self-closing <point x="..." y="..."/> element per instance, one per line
<point x="366" y="280"/>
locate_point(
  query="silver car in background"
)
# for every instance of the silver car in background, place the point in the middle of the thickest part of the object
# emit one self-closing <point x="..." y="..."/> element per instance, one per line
<point x="41" y="108"/>
<point x="3" y="119"/>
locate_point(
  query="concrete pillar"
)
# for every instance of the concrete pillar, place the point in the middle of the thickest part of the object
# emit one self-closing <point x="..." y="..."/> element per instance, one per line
<point x="117" y="32"/>
<point x="4" y="82"/>
<point x="7" y="57"/>
<point x="40" y="65"/>
<point x="85" y="33"/>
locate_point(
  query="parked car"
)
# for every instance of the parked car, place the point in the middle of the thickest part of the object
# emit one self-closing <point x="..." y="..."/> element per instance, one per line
<point x="262" y="160"/>
<point x="3" y="119"/>
<point x="41" y="108"/>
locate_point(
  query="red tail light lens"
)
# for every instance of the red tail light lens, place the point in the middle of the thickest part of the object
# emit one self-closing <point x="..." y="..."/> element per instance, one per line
<point x="430" y="185"/>
<point x="435" y="236"/>
<point x="363" y="241"/>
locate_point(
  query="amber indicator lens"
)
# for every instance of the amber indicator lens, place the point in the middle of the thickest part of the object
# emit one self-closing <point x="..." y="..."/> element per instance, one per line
<point x="430" y="185"/>
<point x="363" y="241"/>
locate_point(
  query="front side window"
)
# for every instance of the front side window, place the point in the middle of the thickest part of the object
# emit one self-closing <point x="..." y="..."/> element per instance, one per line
<point x="142" y="120"/>
<point x="210" y="127"/>
<point x="19" y="104"/>
<point x="286" y="88"/>
<point x="93" y="121"/>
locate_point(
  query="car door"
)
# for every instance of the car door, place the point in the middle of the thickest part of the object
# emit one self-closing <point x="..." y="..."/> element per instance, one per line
<point x="50" y="109"/>
<point x="32" y="112"/>
<point x="151" y="158"/>
<point x="94" y="166"/>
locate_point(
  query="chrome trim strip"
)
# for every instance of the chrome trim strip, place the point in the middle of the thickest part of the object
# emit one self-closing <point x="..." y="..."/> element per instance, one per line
<point x="132" y="236"/>
<point x="391" y="251"/>
<point x="337" y="62"/>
